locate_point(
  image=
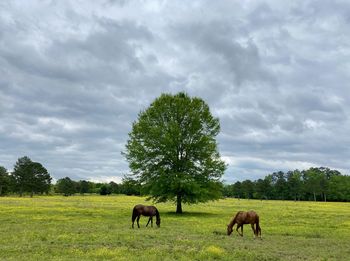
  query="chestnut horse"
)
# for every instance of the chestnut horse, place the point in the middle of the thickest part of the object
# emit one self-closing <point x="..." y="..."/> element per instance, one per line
<point x="148" y="211"/>
<point x="242" y="218"/>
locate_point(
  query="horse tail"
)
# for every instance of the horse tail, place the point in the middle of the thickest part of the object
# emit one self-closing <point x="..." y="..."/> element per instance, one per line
<point x="134" y="214"/>
<point x="258" y="228"/>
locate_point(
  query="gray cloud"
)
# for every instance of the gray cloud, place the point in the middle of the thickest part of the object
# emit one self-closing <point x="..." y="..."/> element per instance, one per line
<point x="74" y="78"/>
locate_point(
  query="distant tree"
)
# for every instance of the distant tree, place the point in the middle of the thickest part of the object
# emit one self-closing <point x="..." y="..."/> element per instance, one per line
<point x="339" y="188"/>
<point x="237" y="190"/>
<point x="114" y="187"/>
<point x="294" y="184"/>
<point x="29" y="176"/>
<point x="66" y="186"/>
<point x="312" y="181"/>
<point x="130" y="186"/>
<point x="21" y="175"/>
<point x="326" y="175"/>
<point x="4" y="180"/>
<point x="42" y="179"/>
<point x="228" y="190"/>
<point x="263" y="188"/>
<point x="248" y="188"/>
<point x="84" y="186"/>
<point x="173" y="152"/>
<point x="280" y="185"/>
<point x="105" y="190"/>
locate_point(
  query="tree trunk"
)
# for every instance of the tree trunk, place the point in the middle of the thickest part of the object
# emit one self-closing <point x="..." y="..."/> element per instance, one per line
<point x="314" y="196"/>
<point x="0" y="190"/>
<point x="178" y="204"/>
<point x="325" y="197"/>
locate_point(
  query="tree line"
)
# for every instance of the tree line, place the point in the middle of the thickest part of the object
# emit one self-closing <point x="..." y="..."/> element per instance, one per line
<point x="29" y="178"/>
<point x="317" y="184"/>
<point x="67" y="187"/>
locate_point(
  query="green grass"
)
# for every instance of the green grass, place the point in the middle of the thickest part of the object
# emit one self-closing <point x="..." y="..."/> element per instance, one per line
<point x="99" y="228"/>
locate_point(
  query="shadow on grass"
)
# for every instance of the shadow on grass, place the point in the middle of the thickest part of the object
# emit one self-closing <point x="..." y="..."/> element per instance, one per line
<point x="309" y="235"/>
<point x="191" y="214"/>
<point x="314" y="235"/>
<point x="220" y="233"/>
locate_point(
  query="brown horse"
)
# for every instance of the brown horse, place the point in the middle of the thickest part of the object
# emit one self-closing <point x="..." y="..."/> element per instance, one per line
<point x="148" y="211"/>
<point x="242" y="218"/>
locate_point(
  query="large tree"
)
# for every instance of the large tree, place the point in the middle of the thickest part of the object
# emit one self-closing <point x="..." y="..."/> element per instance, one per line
<point x="29" y="176"/>
<point x="173" y="152"/>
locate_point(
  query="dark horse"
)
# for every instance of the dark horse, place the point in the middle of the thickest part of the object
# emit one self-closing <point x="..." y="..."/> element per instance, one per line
<point x="242" y="218"/>
<point x="148" y="211"/>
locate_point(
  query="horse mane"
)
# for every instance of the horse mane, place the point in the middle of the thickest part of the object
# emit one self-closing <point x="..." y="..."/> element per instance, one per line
<point x="234" y="220"/>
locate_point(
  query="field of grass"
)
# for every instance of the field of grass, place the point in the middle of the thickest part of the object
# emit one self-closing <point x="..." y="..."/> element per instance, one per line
<point x="99" y="228"/>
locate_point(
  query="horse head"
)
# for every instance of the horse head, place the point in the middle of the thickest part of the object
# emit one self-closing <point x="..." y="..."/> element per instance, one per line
<point x="229" y="230"/>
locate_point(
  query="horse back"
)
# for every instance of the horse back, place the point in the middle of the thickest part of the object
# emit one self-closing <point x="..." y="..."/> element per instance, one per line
<point x="145" y="210"/>
<point x="249" y="217"/>
<point x="253" y="217"/>
<point x="149" y="211"/>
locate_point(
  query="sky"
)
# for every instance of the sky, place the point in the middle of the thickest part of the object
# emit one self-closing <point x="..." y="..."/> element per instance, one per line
<point x="75" y="74"/>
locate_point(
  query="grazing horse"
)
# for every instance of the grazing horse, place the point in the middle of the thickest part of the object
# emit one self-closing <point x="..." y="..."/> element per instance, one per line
<point x="148" y="211"/>
<point x="242" y="218"/>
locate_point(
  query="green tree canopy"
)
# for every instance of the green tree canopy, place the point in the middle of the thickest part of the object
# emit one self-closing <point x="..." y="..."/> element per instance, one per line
<point x="66" y="186"/>
<point x="4" y="180"/>
<point x="29" y="176"/>
<point x="294" y="184"/>
<point x="83" y="186"/>
<point x="312" y="179"/>
<point x="114" y="187"/>
<point x="130" y="186"/>
<point x="173" y="152"/>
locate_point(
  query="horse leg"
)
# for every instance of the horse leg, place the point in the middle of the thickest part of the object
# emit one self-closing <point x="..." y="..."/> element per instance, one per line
<point x="254" y="231"/>
<point x="258" y="229"/>
<point x="148" y="221"/>
<point x="242" y="230"/>
<point x="239" y="226"/>
<point x="133" y="220"/>
<point x="137" y="220"/>
<point x="258" y="232"/>
<point x="151" y="221"/>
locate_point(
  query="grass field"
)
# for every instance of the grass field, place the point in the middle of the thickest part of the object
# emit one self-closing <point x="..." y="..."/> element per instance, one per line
<point x="99" y="228"/>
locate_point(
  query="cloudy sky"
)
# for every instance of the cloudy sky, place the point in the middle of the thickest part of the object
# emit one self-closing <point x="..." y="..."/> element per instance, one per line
<point x="75" y="74"/>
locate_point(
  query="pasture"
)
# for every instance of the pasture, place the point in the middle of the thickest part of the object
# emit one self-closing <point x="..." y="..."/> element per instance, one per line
<point x="99" y="228"/>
